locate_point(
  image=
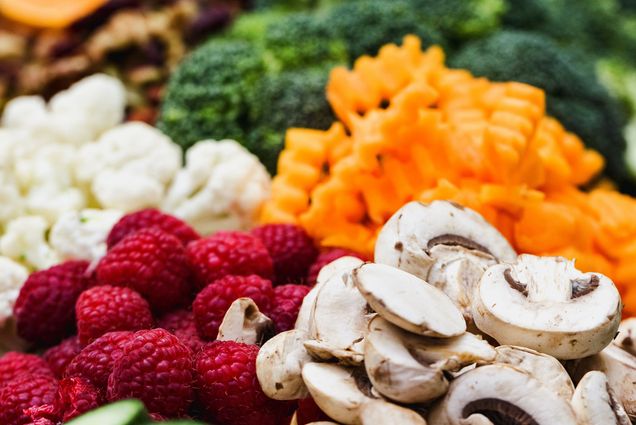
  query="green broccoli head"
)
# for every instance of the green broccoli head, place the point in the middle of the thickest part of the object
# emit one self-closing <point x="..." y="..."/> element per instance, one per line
<point x="302" y="40"/>
<point x="574" y="96"/>
<point x="367" y="25"/>
<point x="284" y="4"/>
<point x="281" y="101"/>
<point x="206" y="95"/>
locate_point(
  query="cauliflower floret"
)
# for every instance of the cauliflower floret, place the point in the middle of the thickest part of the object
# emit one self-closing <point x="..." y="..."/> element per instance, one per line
<point x="11" y="203"/>
<point x="82" y="234"/>
<point x="25" y="111"/>
<point x="222" y="187"/>
<point x="25" y="242"/>
<point x="129" y="166"/>
<point x="12" y="276"/>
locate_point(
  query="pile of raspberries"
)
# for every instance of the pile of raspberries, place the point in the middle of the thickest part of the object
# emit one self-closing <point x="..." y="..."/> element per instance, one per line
<point x="142" y="323"/>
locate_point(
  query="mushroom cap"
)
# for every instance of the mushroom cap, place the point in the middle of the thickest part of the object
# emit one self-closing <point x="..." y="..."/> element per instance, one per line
<point x="620" y="368"/>
<point x="243" y="322"/>
<point x="594" y="402"/>
<point x="279" y="366"/>
<point x="339" y="392"/>
<point x="339" y="316"/>
<point x="408" y="302"/>
<point x="546" y="304"/>
<point x="545" y="368"/>
<point x="502" y="394"/>
<point x="377" y="412"/>
<point x="626" y="338"/>
<point x="410" y="368"/>
<point x="408" y="236"/>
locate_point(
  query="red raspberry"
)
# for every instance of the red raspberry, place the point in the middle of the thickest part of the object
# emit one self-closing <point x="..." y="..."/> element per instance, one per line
<point x="157" y="369"/>
<point x="325" y="258"/>
<point x="15" y="365"/>
<point x="227" y="253"/>
<point x="108" y="308"/>
<point x="95" y="362"/>
<point x="130" y="223"/>
<point x="291" y="249"/>
<point x="76" y="396"/>
<point x="45" y="308"/>
<point x="229" y="391"/>
<point x="287" y="301"/>
<point x="181" y="324"/>
<point x="308" y="412"/>
<point x="153" y="263"/>
<point x="212" y="302"/>
<point x="61" y="355"/>
<point x="23" y="393"/>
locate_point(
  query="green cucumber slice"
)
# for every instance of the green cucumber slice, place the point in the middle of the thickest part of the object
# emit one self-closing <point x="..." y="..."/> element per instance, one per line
<point x="125" y="412"/>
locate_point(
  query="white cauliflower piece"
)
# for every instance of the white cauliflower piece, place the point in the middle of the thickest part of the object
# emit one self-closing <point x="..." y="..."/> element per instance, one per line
<point x="87" y="109"/>
<point x="25" y="242"/>
<point x="129" y="166"/>
<point x="12" y="277"/>
<point x="221" y="187"/>
<point x="82" y="234"/>
<point x="25" y="111"/>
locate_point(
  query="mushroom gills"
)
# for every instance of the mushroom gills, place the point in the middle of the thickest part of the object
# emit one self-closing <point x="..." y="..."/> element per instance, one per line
<point x="594" y="402"/>
<point x="410" y="368"/>
<point x="407" y="239"/>
<point x="503" y="395"/>
<point x="408" y="302"/>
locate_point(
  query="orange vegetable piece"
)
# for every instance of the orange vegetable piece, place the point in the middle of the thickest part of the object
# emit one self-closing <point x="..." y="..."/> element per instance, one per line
<point x="48" y="13"/>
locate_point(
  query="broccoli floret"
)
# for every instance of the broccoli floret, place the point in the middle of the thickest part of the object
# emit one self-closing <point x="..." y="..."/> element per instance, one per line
<point x="252" y="26"/>
<point x="303" y="40"/>
<point x="206" y="95"/>
<point x="281" y="101"/>
<point x="367" y="25"/>
<point x="574" y="96"/>
<point x="284" y="4"/>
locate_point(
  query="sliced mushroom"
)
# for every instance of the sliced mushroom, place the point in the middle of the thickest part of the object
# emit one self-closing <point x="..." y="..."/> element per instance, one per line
<point x="407" y="238"/>
<point x="339" y="318"/>
<point x="339" y="392"/>
<point x="545" y="368"/>
<point x="626" y="338"/>
<point x="408" y="302"/>
<point x="546" y="304"/>
<point x="594" y="402"/>
<point x="340" y="265"/>
<point x="279" y="366"/>
<point x="410" y="368"/>
<point x="620" y="368"/>
<point x="378" y="412"/>
<point x="243" y="322"/>
<point x="457" y="274"/>
<point x="325" y="352"/>
<point x="501" y="394"/>
<point x="476" y="419"/>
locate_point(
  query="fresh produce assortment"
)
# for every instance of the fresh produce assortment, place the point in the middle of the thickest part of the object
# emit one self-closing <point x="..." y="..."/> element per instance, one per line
<point x="70" y="168"/>
<point x="162" y="299"/>
<point x="411" y="128"/>
<point x="447" y="237"/>
<point x="367" y="352"/>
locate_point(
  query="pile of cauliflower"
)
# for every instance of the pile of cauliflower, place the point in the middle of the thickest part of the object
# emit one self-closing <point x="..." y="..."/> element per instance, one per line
<point x="70" y="169"/>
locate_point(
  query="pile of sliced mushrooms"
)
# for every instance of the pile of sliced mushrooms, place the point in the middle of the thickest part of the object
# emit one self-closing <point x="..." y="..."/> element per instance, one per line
<point x="450" y="326"/>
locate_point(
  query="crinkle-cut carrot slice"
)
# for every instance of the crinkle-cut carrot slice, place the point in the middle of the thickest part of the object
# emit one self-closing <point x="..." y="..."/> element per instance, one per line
<point x="48" y="13"/>
<point x="513" y="122"/>
<point x="546" y="227"/>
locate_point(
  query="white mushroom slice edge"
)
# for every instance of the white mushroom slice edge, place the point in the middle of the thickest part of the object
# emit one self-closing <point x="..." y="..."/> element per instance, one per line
<point x="626" y="338"/>
<point x="408" y="302"/>
<point x="546" y="304"/>
<point x="594" y="402"/>
<point x="243" y="322"/>
<point x="545" y="368"/>
<point x="410" y="368"/>
<point x="504" y="392"/>
<point x="408" y="236"/>
<point x="279" y="366"/>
